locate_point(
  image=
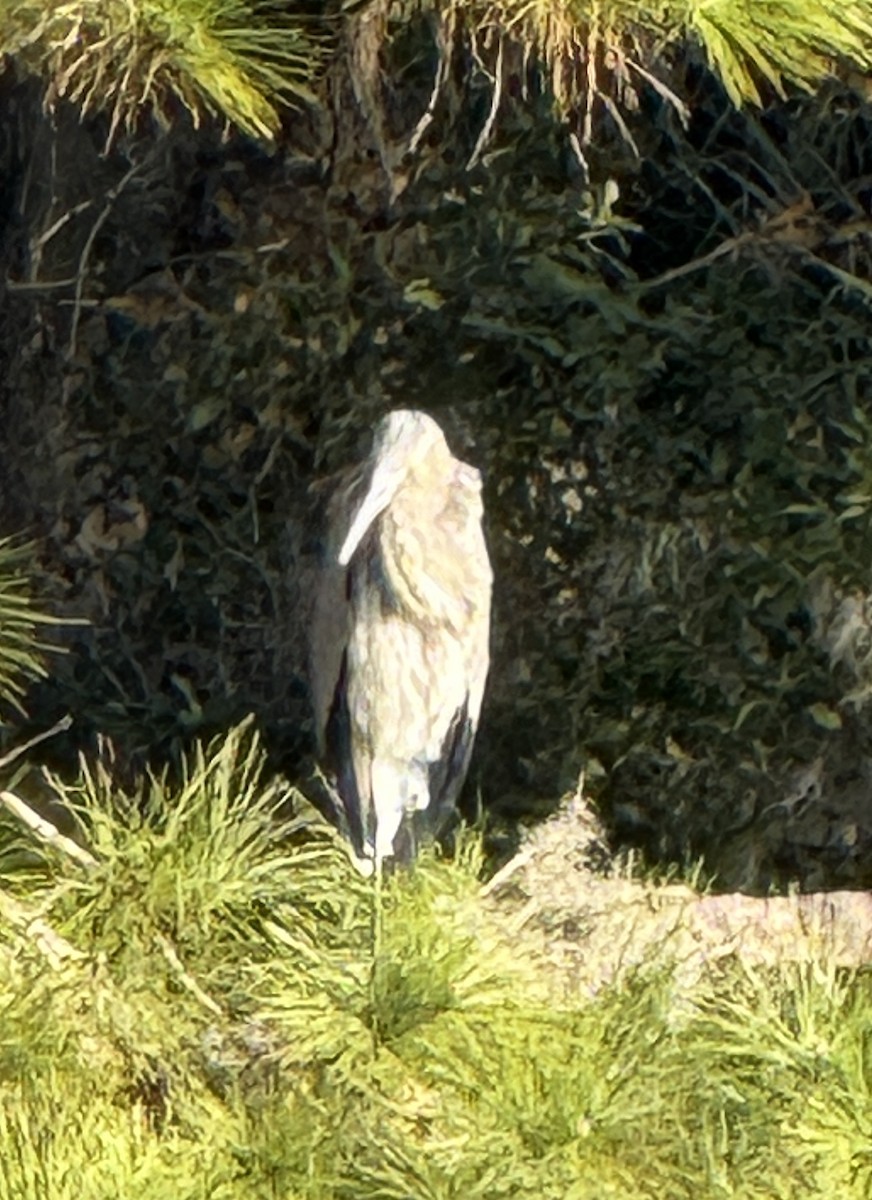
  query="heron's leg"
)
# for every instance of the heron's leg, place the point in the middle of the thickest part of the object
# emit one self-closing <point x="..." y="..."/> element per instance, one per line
<point x="387" y="797"/>
<point x="418" y="787"/>
<point x="411" y="838"/>
<point x="365" y="864"/>
<point x="377" y="931"/>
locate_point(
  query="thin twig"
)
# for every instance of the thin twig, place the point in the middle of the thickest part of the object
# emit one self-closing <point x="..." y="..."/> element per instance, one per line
<point x="438" y="84"/>
<point x="853" y="283"/>
<point x="47" y="940"/>
<point x="575" y="145"/>
<point x="269" y="461"/>
<point x="698" y="264"/>
<point x="59" y="727"/>
<point x="187" y="980"/>
<point x="505" y="872"/>
<point x="111" y="197"/>
<point x="496" y="96"/>
<point x="38" y="243"/>
<point x="266" y="248"/>
<point x="623" y="128"/>
<point x="45" y="831"/>
<point x="48" y="285"/>
<point x="662" y="90"/>
<point x="591" y="90"/>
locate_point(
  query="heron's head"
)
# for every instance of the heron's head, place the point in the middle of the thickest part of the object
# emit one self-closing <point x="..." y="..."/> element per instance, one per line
<point x="404" y="440"/>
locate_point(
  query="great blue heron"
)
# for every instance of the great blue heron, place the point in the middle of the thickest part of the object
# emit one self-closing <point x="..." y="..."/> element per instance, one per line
<point x="400" y="642"/>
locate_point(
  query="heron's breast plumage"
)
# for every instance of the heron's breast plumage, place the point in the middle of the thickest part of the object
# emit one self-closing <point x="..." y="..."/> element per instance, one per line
<point x="406" y="680"/>
<point x="436" y="569"/>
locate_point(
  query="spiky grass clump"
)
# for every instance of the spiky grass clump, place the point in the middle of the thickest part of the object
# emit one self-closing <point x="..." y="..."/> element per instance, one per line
<point x="208" y="856"/>
<point x="236" y="58"/>
<point x="599" y="52"/>
<point x="21" y="650"/>
<point x="219" y="1005"/>
<point x="778" y="42"/>
<point x="243" y="59"/>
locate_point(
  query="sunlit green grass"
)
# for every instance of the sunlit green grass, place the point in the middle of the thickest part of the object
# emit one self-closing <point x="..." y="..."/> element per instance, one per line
<point x="211" y="1020"/>
<point x="236" y="58"/>
<point x="244" y="59"/>
<point x="22" y="651"/>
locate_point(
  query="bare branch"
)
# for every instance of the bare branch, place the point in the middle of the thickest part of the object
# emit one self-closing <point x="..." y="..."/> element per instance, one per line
<point x="615" y="114"/>
<point x="662" y="90"/>
<point x="112" y="196"/>
<point x="697" y="264"/>
<point x="487" y="129"/>
<point x="45" y="237"/>
<point x="575" y="144"/>
<point x="591" y="90"/>
<point x="505" y="872"/>
<point x="48" y="285"/>
<point x="439" y="82"/>
<point x="45" y="831"/>
<point x="56" y="949"/>
<point x="59" y="727"/>
<point x="186" y="980"/>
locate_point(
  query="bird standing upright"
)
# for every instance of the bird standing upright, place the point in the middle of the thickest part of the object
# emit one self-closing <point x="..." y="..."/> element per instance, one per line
<point x="400" y="644"/>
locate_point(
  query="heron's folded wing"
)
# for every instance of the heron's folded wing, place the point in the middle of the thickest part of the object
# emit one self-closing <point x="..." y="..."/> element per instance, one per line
<point x="448" y="773"/>
<point x="328" y="643"/>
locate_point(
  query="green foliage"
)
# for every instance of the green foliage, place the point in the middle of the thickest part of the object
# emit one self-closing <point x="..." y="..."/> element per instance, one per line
<point x="665" y="384"/>
<point x="236" y="58"/>
<point x="777" y="42"/>
<point x="752" y="45"/>
<point x="242" y="59"/>
<point x="678" y="461"/>
<point x="595" y="54"/>
<point x="205" y="854"/>
<point x="21" y="651"/>
<point x="663" y="379"/>
<point x="311" y="1035"/>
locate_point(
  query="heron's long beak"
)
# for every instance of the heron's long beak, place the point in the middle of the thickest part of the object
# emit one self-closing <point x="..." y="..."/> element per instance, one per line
<point x="386" y="479"/>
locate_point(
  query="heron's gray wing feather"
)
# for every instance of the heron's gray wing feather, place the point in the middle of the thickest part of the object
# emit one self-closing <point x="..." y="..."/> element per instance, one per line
<point x="327" y="644"/>
<point x="330" y="623"/>
<point x="339" y="747"/>
<point x="449" y="772"/>
<point x="328" y="679"/>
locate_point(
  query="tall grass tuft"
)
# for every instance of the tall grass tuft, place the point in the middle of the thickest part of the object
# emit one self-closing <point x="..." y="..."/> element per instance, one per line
<point x="21" y="650"/>
<point x="200" y="1009"/>
<point x="235" y="58"/>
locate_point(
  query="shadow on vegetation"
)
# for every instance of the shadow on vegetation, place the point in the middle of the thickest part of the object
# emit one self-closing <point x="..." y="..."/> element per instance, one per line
<point x="676" y="467"/>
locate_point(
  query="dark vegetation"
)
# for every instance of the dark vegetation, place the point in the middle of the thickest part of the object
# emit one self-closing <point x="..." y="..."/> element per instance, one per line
<point x="662" y="372"/>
